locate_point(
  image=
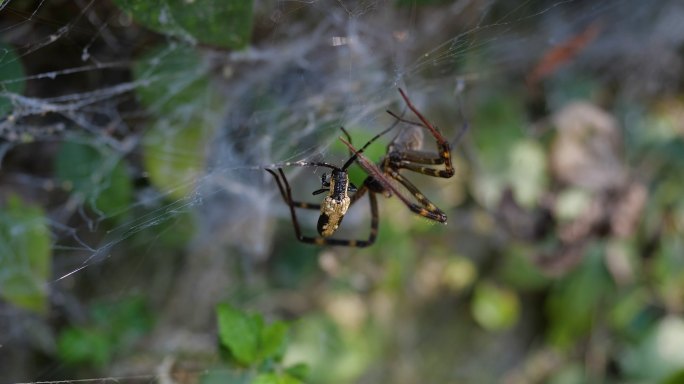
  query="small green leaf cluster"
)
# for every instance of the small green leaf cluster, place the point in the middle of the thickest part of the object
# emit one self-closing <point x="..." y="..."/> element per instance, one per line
<point x="248" y="342"/>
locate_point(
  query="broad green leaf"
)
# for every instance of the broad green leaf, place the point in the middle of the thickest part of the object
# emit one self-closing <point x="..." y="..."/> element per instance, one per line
<point x="273" y="340"/>
<point x="84" y="346"/>
<point x="222" y="23"/>
<point x="175" y="81"/>
<point x="155" y="15"/>
<point x="174" y="157"/>
<point x="495" y="308"/>
<point x="11" y="77"/>
<point x="24" y="255"/>
<point x="240" y="333"/>
<point x="179" y="92"/>
<point x="97" y="175"/>
<point x="226" y="24"/>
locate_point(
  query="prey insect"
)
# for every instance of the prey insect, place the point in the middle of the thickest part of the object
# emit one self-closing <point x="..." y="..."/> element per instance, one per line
<point x="403" y="152"/>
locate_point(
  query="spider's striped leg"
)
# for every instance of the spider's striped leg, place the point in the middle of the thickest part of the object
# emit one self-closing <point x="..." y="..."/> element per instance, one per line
<point x="287" y="196"/>
<point x="414" y="160"/>
<point x="380" y="177"/>
<point x="421" y="157"/>
<point x="353" y="154"/>
<point x="438" y="136"/>
<point x="286" y="192"/>
<point x="444" y="173"/>
<point x="426" y="208"/>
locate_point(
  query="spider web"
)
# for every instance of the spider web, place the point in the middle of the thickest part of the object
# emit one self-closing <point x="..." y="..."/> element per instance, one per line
<point x="91" y="77"/>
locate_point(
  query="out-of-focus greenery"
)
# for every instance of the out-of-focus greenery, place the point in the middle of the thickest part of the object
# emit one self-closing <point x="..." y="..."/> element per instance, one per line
<point x="12" y="73"/>
<point x="226" y="24"/>
<point x="112" y="329"/>
<point x="95" y="176"/>
<point x="256" y="346"/>
<point x="24" y="255"/>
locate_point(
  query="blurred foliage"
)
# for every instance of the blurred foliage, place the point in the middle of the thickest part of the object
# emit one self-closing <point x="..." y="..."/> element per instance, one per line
<point x="226" y="24"/>
<point x="174" y="144"/>
<point x="574" y="302"/>
<point x="11" y="77"/>
<point x="25" y="255"/>
<point x="251" y="343"/>
<point x="96" y="176"/>
<point x="112" y="329"/>
<point x="495" y="308"/>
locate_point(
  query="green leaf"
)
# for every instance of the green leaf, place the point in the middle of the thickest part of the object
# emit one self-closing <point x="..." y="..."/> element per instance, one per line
<point x="11" y="76"/>
<point x="84" y="346"/>
<point x="273" y="340"/>
<point x="174" y="157"/>
<point x="179" y="92"/>
<point x="299" y="370"/>
<point x="24" y="255"/>
<point x="175" y="79"/>
<point x="240" y="333"/>
<point x="275" y="378"/>
<point x="495" y="308"/>
<point x="222" y="23"/>
<point x="97" y="175"/>
<point x="155" y="15"/>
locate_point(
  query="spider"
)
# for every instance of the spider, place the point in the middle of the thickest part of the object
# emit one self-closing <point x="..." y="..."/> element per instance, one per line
<point x="402" y="153"/>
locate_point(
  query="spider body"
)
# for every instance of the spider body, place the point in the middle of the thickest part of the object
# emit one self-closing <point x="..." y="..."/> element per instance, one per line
<point x="336" y="203"/>
<point x="403" y="152"/>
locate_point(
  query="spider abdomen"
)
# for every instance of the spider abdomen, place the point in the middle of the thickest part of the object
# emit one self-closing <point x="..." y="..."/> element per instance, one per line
<point x="332" y="212"/>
